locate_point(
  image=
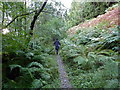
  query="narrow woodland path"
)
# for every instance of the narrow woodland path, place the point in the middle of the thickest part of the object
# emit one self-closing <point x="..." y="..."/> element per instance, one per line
<point x="63" y="75"/>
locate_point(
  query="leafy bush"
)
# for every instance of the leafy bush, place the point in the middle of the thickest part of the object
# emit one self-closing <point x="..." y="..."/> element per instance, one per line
<point x="91" y="58"/>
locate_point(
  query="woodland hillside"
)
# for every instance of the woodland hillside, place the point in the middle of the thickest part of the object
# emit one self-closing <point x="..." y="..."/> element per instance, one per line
<point x="110" y="19"/>
<point x="88" y="56"/>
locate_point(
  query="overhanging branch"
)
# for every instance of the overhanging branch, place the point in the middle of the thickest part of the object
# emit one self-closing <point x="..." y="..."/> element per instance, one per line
<point x="17" y="17"/>
<point x="21" y="16"/>
<point x="36" y="15"/>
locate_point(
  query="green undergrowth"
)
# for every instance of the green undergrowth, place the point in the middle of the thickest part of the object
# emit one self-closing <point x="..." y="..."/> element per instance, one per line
<point x="54" y="84"/>
<point x="91" y="58"/>
<point x="38" y="73"/>
<point x="32" y="66"/>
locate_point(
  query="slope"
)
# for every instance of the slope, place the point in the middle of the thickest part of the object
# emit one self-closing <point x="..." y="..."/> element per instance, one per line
<point x="111" y="17"/>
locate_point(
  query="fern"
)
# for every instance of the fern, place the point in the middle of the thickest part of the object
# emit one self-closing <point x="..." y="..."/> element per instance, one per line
<point x="45" y="76"/>
<point x="29" y="55"/>
<point x="110" y="69"/>
<point x="35" y="64"/>
<point x="111" y="83"/>
<point x="37" y="57"/>
<point x="14" y="66"/>
<point x="37" y="83"/>
<point x="107" y="52"/>
<point x="80" y="60"/>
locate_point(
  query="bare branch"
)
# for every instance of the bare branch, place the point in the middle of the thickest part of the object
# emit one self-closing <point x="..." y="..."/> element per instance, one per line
<point x="17" y="17"/>
<point x="21" y="16"/>
<point x="36" y="15"/>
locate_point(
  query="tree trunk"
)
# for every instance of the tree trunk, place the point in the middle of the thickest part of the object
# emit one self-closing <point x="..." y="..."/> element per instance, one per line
<point x="3" y="14"/>
<point x="25" y="18"/>
<point x="35" y="17"/>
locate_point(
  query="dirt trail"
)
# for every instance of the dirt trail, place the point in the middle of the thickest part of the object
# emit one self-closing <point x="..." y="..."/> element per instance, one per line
<point x="63" y="75"/>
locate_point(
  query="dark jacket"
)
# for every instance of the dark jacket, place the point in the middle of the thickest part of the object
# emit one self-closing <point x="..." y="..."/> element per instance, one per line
<point x="57" y="43"/>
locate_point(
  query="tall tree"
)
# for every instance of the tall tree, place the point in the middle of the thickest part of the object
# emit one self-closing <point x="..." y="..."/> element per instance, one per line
<point x="35" y="17"/>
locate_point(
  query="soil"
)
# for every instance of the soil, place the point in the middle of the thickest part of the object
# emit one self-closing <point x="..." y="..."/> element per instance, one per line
<point x="62" y="74"/>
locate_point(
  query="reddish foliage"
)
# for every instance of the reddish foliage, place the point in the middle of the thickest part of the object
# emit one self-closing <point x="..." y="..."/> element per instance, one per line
<point x="111" y="17"/>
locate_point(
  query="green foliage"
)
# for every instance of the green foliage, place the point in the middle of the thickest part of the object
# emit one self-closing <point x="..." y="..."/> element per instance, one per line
<point x="110" y="8"/>
<point x="79" y="60"/>
<point x="14" y="66"/>
<point x="37" y="67"/>
<point x="35" y="64"/>
<point x="98" y="78"/>
<point x="91" y="59"/>
<point x="111" y="83"/>
<point x="11" y="42"/>
<point x="34" y="75"/>
<point x="53" y="28"/>
<point x="37" y="83"/>
<point x="82" y="11"/>
<point x="90" y="55"/>
<point x="54" y="84"/>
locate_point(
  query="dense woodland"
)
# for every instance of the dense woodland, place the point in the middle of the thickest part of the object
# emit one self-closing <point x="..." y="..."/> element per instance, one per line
<point x="29" y="29"/>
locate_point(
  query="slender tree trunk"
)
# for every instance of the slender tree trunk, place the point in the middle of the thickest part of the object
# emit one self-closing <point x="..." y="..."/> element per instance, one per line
<point x="3" y="14"/>
<point x="35" y="17"/>
<point x="25" y="18"/>
<point x="34" y="20"/>
<point x="17" y="26"/>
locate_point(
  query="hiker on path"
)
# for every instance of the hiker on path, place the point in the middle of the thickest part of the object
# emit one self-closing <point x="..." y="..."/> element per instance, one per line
<point x="57" y="45"/>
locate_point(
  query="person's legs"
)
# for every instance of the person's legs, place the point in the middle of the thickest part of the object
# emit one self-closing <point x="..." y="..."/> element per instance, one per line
<point x="56" y="51"/>
<point x="57" y="48"/>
